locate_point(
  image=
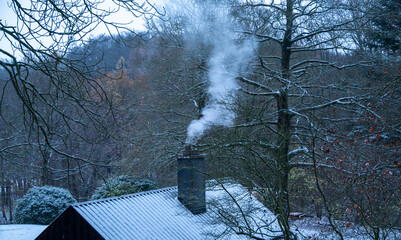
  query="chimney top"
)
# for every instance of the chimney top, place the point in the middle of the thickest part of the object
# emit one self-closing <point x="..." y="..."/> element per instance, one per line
<point x="190" y="151"/>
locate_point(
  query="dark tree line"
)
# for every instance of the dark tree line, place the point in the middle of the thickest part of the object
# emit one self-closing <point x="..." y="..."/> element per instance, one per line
<point x="317" y="127"/>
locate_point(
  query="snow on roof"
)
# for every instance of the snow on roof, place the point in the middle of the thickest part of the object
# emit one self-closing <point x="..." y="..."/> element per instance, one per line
<point x="158" y="214"/>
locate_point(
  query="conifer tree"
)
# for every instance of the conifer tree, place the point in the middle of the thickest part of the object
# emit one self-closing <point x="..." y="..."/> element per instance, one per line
<point x="387" y="26"/>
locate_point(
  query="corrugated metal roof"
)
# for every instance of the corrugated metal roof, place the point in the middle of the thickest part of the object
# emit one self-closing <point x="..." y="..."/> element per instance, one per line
<point x="159" y="215"/>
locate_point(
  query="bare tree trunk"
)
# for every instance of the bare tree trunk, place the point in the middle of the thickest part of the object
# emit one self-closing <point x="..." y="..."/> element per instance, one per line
<point x="45" y="178"/>
<point x="26" y="186"/>
<point x="3" y="199"/>
<point x="283" y="167"/>
<point x="9" y="200"/>
<point x="2" y="191"/>
<point x="284" y="130"/>
<point x="20" y="190"/>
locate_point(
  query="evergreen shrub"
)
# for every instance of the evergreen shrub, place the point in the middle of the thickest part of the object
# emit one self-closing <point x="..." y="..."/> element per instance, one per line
<point x="41" y="205"/>
<point x="122" y="185"/>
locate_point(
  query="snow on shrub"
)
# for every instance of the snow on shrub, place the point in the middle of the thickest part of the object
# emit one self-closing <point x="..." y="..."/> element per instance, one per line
<point x="41" y="205"/>
<point x="123" y="185"/>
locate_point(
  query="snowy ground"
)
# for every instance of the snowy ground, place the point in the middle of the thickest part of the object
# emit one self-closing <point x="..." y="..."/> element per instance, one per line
<point x="20" y="231"/>
<point x="319" y="229"/>
<point x="308" y="228"/>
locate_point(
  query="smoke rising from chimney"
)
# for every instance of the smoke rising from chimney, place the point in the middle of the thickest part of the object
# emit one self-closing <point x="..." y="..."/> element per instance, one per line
<point x="210" y="23"/>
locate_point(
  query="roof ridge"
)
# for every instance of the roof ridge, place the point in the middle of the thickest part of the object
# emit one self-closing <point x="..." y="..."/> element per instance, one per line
<point x="155" y="191"/>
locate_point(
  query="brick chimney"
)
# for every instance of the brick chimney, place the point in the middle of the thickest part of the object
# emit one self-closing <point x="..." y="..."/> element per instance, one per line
<point x="191" y="180"/>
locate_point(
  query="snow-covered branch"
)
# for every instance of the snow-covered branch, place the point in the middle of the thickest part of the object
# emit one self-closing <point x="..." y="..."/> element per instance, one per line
<point x="258" y="85"/>
<point x="341" y="101"/>
<point x="297" y="152"/>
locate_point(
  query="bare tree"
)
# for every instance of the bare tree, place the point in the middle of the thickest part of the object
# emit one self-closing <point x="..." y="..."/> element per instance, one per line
<point x="61" y="111"/>
<point x="304" y="44"/>
<point x="307" y="84"/>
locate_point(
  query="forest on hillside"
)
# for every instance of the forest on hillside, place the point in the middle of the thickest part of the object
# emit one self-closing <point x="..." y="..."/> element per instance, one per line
<point x="297" y="100"/>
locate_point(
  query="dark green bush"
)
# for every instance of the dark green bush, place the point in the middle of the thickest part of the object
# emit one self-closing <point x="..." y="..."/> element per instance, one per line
<point x="122" y="185"/>
<point x="41" y="205"/>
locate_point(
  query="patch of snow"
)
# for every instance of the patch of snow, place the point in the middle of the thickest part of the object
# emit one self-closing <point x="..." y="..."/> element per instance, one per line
<point x="20" y="231"/>
<point x="239" y="211"/>
<point x="319" y="229"/>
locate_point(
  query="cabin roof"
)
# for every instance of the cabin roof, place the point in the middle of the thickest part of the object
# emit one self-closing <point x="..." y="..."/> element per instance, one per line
<point x="143" y="216"/>
<point x="158" y="214"/>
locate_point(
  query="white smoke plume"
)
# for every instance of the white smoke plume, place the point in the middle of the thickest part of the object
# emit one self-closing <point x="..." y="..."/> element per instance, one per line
<point x="211" y="23"/>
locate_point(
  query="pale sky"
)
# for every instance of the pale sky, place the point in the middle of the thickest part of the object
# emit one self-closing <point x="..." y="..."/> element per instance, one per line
<point x="8" y="17"/>
<point x="5" y="12"/>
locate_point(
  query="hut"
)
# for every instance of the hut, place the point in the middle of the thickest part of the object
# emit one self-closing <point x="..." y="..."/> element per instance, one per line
<point x="195" y="209"/>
